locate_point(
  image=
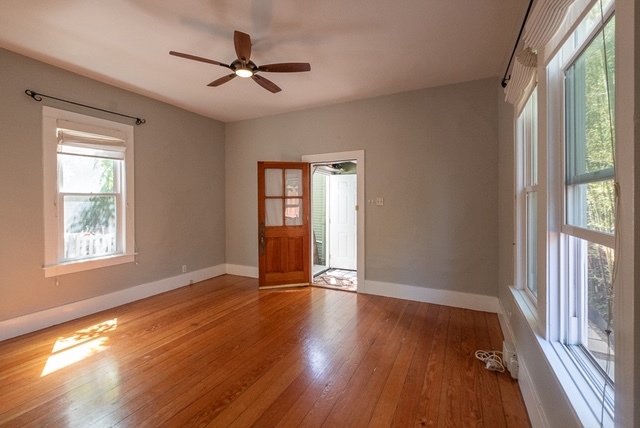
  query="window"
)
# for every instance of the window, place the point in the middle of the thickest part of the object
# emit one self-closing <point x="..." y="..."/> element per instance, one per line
<point x="589" y="208"/>
<point x="527" y="141"/>
<point x="88" y="192"/>
<point x="581" y="231"/>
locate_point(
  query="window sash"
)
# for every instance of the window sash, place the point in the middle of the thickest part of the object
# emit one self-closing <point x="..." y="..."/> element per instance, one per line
<point x="527" y="207"/>
<point x="63" y="251"/>
<point x="119" y="213"/>
<point x="577" y="238"/>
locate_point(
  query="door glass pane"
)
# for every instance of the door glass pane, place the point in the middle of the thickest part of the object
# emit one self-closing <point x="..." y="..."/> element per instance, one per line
<point x="273" y="212"/>
<point x="294" y="182"/>
<point x="273" y="182"/>
<point x="293" y="212"/>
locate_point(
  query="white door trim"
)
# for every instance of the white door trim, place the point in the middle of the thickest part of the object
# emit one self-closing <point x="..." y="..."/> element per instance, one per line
<point x="358" y="156"/>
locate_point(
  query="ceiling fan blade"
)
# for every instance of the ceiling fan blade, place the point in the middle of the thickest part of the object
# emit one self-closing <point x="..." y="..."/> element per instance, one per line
<point x="222" y="80"/>
<point x="197" y="58"/>
<point x="242" y="43"/>
<point x="286" y="67"/>
<point x="266" y="83"/>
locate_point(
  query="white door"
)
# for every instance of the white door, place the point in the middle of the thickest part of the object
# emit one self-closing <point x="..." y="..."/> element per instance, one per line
<point x="342" y="222"/>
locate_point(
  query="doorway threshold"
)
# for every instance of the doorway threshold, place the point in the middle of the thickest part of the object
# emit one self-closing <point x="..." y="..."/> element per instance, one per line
<point x="339" y="279"/>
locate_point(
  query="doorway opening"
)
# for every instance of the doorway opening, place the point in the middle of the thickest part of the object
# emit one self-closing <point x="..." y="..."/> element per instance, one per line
<point x="334" y="223"/>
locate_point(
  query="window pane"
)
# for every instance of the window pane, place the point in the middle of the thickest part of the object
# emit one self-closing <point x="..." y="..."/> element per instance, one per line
<point x="83" y="174"/>
<point x="589" y="147"/>
<point x="532" y="242"/>
<point x="599" y="302"/>
<point x="273" y="212"/>
<point x="89" y="226"/>
<point x="293" y="212"/>
<point x="273" y="182"/>
<point x="590" y="108"/>
<point x="294" y="182"/>
<point x="530" y="139"/>
<point x="591" y="206"/>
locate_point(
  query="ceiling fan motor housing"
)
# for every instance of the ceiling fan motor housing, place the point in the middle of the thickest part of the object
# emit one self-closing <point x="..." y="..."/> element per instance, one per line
<point x="249" y="66"/>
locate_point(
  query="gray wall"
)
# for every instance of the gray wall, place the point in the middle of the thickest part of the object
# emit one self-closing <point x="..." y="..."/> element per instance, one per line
<point x="431" y="154"/>
<point x="179" y="189"/>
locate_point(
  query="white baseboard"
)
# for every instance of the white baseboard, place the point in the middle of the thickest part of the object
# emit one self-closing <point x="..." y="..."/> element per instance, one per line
<point x="456" y="299"/>
<point x="410" y="292"/>
<point x="38" y="320"/>
<point x="248" y="271"/>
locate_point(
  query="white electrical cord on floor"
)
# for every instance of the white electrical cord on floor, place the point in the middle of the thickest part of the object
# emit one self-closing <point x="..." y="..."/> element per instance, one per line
<point x="491" y="359"/>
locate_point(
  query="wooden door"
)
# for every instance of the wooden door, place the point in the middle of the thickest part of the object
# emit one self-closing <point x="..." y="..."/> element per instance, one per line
<point x="283" y="224"/>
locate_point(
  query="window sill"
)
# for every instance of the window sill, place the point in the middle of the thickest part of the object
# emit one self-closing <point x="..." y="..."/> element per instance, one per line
<point x="579" y="392"/>
<point x="82" y="265"/>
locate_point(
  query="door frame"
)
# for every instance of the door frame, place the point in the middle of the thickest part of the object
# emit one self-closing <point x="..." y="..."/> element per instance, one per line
<point x="358" y="156"/>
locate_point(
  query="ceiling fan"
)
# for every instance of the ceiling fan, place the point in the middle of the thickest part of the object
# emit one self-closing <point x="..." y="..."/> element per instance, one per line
<point x="244" y="67"/>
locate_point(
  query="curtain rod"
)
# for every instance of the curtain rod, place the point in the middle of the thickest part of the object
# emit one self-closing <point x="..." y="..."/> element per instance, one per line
<point x="38" y="97"/>
<point x="505" y="79"/>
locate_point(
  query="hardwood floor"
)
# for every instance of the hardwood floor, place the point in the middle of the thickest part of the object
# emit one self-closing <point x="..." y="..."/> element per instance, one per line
<point x="222" y="353"/>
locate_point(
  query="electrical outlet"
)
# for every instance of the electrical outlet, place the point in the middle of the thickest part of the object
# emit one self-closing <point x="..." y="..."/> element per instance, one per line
<point x="184" y="268"/>
<point x="379" y="202"/>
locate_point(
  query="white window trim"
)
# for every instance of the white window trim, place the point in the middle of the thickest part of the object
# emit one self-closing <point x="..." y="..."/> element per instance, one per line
<point x="50" y="119"/>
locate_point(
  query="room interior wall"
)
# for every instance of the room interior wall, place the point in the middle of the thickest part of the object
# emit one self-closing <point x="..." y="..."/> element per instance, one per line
<point x="179" y="189"/>
<point x="431" y="154"/>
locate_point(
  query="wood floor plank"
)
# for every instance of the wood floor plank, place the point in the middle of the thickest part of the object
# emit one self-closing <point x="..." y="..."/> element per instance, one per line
<point x="385" y="409"/>
<point x="295" y="401"/>
<point x="432" y="386"/>
<point x="471" y="409"/>
<point x="450" y="412"/>
<point x="488" y="389"/>
<point x="312" y="407"/>
<point x="344" y="395"/>
<point x="366" y="384"/>
<point x="409" y="401"/>
<point x="224" y="353"/>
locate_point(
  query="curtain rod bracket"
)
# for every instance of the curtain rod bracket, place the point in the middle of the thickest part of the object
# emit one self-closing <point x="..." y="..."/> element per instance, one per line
<point x="38" y="97"/>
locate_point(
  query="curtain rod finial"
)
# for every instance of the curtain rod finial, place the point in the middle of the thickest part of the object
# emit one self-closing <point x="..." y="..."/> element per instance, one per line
<point x="33" y="95"/>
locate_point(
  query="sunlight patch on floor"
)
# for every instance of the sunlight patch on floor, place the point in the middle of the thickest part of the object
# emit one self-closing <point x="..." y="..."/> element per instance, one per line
<point x="78" y="346"/>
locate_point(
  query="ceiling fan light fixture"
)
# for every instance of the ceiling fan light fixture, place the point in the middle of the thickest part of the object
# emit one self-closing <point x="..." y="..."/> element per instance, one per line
<point x="244" y="72"/>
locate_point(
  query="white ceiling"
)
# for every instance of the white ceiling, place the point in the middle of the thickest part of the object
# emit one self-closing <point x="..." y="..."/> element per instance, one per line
<point x="357" y="48"/>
